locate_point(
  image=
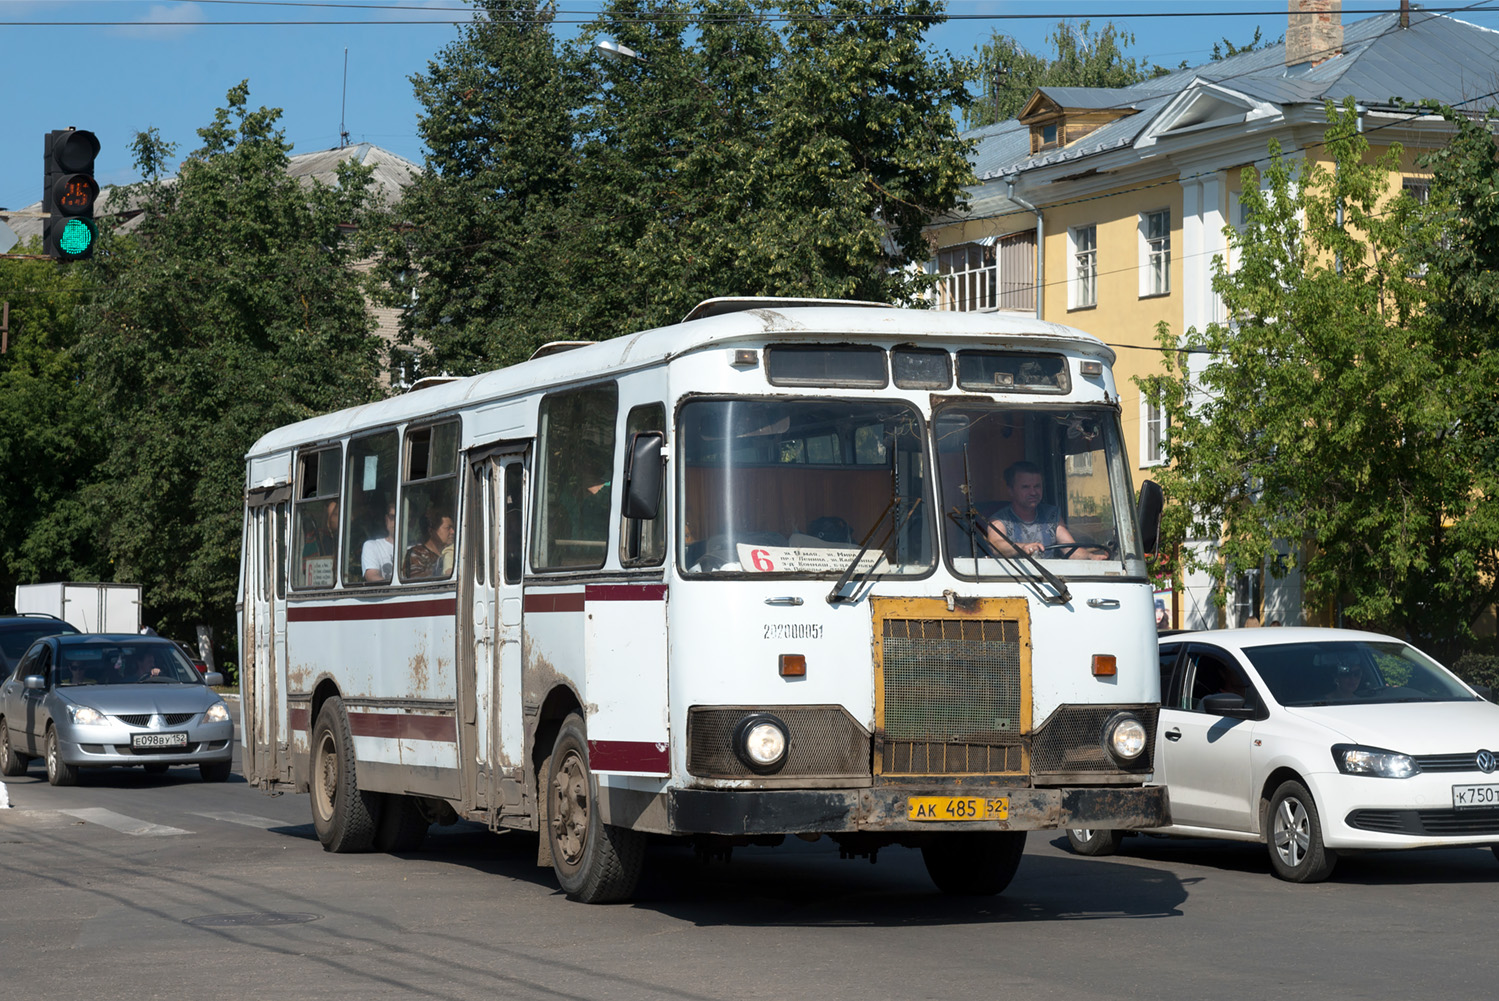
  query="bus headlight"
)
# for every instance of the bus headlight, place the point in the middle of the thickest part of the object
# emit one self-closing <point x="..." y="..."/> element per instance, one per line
<point x="1124" y="737"/>
<point x="761" y="742"/>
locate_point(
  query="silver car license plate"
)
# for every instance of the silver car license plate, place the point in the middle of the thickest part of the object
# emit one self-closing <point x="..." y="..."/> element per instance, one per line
<point x="1467" y="797"/>
<point x="158" y="740"/>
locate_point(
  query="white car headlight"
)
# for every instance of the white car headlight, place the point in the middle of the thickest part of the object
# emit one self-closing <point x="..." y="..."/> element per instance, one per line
<point x="217" y="713"/>
<point x="1124" y="736"/>
<point x="1354" y="760"/>
<point x="87" y="716"/>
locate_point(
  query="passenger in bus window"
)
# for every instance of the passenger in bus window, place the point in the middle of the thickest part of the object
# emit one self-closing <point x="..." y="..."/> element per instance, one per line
<point x="1030" y="526"/>
<point x="322" y="539"/>
<point x="378" y="557"/>
<point x="432" y="557"/>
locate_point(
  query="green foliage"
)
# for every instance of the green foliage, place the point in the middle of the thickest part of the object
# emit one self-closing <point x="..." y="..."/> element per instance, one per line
<point x="1330" y="412"/>
<point x="574" y="196"/>
<point x="1230" y="49"/>
<point x="231" y="309"/>
<point x="1478" y="669"/>
<point x="1008" y="74"/>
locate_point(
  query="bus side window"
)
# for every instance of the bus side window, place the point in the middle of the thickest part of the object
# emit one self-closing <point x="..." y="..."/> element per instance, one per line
<point x="429" y="504"/>
<point x="369" y="510"/>
<point x="515" y="496"/>
<point x="575" y="460"/>
<point x="648" y="548"/>
<point x="315" y="518"/>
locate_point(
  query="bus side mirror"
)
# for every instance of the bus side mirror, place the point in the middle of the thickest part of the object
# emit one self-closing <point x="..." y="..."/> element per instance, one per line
<point x="643" y="475"/>
<point x="1148" y="513"/>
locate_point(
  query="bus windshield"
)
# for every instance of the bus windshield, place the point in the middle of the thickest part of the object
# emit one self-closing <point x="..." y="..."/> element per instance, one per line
<point x="799" y="487"/>
<point x="1045" y="483"/>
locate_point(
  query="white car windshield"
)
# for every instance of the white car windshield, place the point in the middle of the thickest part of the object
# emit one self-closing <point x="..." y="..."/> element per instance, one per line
<point x="1353" y="672"/>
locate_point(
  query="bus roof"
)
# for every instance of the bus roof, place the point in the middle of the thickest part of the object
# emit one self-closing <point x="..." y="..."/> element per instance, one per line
<point x="787" y="320"/>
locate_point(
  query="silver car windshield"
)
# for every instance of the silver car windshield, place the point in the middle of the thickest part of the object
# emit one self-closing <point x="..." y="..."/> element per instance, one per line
<point x="798" y="487"/>
<point x="1353" y="672"/>
<point x="123" y="664"/>
<point x="1045" y="482"/>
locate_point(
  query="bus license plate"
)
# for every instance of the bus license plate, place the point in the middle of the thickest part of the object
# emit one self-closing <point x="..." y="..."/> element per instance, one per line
<point x="1466" y="797"/>
<point x="158" y="740"/>
<point x="955" y="808"/>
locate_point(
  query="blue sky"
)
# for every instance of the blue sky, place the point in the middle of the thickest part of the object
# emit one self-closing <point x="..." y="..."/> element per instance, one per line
<point x="119" y="66"/>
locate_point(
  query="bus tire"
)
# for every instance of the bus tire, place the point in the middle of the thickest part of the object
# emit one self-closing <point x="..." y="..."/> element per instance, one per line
<point x="402" y="826"/>
<point x="343" y="815"/>
<point x="595" y="862"/>
<point x="11" y="762"/>
<point x="59" y="772"/>
<point x="973" y="864"/>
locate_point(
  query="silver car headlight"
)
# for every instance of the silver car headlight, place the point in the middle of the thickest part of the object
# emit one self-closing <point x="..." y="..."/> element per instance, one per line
<point x="761" y="742"/>
<point x="86" y="716"/>
<point x="1352" y="759"/>
<point x="217" y="713"/>
<point x="1124" y="737"/>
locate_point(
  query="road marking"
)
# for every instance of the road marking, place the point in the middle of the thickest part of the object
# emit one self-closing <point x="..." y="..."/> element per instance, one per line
<point x="250" y="820"/>
<point x="123" y="824"/>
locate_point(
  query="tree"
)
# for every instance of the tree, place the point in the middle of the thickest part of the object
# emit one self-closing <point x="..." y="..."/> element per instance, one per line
<point x="731" y="158"/>
<point x="1008" y="74"/>
<point x="1330" y="412"/>
<point x="232" y="309"/>
<point x="50" y="435"/>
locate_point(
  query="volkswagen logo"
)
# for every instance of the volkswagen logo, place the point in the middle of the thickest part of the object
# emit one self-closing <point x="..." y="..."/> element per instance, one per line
<point x="1486" y="761"/>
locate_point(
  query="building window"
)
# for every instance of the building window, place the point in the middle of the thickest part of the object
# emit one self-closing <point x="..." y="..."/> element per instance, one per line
<point x="1418" y="190"/>
<point x="968" y="277"/>
<point x="1155" y="252"/>
<point x="1083" y="289"/>
<point x="997" y="273"/>
<point x="1153" y="425"/>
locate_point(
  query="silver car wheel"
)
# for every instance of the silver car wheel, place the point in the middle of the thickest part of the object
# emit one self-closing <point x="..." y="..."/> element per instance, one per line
<point x="1293" y="832"/>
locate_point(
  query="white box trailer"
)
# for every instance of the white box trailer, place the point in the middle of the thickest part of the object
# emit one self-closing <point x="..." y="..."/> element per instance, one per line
<point x="91" y="608"/>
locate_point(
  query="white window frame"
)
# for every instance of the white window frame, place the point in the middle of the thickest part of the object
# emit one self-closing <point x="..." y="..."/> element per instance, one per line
<point x="1155" y="254"/>
<point x="1082" y="255"/>
<point x="973" y="288"/>
<point x="1153" y="426"/>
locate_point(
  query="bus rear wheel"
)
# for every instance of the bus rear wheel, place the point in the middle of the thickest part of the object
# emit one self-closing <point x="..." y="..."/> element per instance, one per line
<point x="595" y="862"/>
<point x="973" y="864"/>
<point x="343" y="816"/>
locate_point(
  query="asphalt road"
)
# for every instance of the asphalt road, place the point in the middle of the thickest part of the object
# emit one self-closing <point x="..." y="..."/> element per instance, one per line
<point x="131" y="886"/>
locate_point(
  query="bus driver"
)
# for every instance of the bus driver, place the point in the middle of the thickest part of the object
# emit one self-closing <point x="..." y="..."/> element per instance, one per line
<point x="1029" y="526"/>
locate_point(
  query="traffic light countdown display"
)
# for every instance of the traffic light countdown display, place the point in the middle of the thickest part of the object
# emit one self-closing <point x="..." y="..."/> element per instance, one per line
<point x="69" y="194"/>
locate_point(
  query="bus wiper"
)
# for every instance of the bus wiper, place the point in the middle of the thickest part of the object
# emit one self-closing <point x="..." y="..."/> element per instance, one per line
<point x="978" y="538"/>
<point x="836" y="595"/>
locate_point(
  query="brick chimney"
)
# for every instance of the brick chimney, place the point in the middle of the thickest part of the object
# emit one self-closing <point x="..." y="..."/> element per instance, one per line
<point x="1315" y="32"/>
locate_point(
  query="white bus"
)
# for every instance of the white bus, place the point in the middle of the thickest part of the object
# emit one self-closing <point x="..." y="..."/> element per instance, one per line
<point x="748" y="576"/>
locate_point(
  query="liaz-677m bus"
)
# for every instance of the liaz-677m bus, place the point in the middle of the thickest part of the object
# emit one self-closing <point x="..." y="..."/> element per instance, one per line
<point x="789" y="567"/>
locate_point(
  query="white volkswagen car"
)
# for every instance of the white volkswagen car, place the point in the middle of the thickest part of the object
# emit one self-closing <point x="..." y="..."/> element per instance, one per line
<point x="1319" y="742"/>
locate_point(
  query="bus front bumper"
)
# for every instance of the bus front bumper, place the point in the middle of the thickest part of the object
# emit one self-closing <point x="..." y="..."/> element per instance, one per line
<point x="907" y="808"/>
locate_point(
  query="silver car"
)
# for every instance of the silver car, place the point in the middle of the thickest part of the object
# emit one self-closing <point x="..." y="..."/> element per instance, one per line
<point x="93" y="700"/>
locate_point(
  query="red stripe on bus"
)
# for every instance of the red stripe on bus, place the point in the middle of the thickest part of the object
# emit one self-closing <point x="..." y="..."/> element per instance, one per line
<point x="547" y="602"/>
<point x="629" y="756"/>
<point x="625" y="592"/>
<point x="381" y="610"/>
<point x="404" y="726"/>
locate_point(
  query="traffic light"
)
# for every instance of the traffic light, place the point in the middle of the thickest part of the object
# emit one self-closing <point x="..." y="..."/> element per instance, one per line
<point x="68" y="196"/>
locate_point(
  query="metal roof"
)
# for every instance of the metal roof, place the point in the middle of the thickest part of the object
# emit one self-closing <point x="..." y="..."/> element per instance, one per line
<point x="1438" y="58"/>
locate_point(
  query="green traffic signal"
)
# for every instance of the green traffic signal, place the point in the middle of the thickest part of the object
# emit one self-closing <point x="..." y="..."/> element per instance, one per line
<point x="77" y="238"/>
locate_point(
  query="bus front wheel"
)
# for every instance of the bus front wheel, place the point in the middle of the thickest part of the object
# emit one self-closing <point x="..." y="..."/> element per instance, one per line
<point x="595" y="862"/>
<point x="343" y="816"/>
<point x="973" y="864"/>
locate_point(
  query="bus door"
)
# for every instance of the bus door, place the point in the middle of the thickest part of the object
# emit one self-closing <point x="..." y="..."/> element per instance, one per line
<point x="263" y="652"/>
<point x="490" y="720"/>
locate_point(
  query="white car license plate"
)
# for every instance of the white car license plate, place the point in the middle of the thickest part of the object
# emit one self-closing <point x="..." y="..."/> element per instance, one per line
<point x="150" y="740"/>
<point x="1467" y="797"/>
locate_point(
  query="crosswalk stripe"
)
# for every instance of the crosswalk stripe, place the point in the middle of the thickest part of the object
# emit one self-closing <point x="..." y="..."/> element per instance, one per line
<point x="123" y="824"/>
<point x="248" y="820"/>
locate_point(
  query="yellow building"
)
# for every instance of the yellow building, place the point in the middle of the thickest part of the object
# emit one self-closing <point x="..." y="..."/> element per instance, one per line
<point x="1104" y="208"/>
